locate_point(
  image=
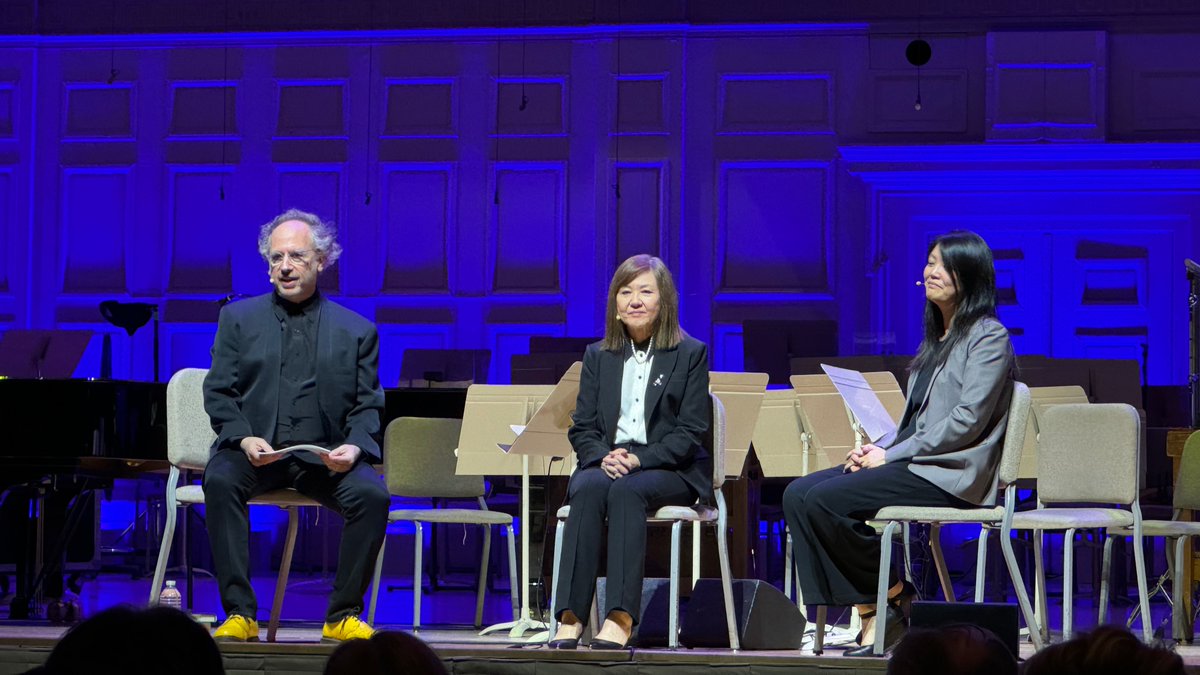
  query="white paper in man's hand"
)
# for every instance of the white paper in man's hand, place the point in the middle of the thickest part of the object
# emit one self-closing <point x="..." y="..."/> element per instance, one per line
<point x="315" y="449"/>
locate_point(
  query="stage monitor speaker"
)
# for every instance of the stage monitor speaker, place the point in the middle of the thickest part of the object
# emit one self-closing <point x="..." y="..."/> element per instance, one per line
<point x="1000" y="618"/>
<point x="766" y="619"/>
<point x="651" y="631"/>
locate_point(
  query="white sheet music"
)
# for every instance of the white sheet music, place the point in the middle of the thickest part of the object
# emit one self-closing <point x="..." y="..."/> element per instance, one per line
<point x="315" y="449"/>
<point x="863" y="402"/>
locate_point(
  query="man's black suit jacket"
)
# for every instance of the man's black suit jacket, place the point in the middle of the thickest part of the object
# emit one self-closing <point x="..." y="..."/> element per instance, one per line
<point x="678" y="411"/>
<point x="241" y="390"/>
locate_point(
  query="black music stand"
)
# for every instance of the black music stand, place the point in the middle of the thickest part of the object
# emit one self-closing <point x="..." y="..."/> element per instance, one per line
<point x="42" y="354"/>
<point x="449" y="368"/>
<point x="768" y="345"/>
<point x="131" y="316"/>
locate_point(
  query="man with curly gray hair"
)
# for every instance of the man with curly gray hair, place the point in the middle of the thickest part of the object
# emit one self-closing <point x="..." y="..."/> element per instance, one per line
<point x="291" y="367"/>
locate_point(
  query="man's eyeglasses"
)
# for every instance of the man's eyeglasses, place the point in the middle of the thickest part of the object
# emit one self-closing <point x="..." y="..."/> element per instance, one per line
<point x="297" y="258"/>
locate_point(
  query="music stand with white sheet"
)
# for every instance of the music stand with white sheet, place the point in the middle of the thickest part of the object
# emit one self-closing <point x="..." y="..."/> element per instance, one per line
<point x="514" y="429"/>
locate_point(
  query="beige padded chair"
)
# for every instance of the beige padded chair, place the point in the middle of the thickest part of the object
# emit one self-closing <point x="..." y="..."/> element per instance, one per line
<point x="1177" y="533"/>
<point x="1000" y="516"/>
<point x="1087" y="453"/>
<point x="189" y="439"/>
<point x="419" y="461"/>
<point x="675" y="516"/>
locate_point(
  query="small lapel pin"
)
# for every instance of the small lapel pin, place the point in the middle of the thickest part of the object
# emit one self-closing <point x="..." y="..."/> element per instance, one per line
<point x="658" y="382"/>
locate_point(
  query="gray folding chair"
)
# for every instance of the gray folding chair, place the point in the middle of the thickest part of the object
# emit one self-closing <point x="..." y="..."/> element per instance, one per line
<point x="675" y="516"/>
<point x="1000" y="515"/>
<point x="419" y="461"/>
<point x="189" y="439"/>
<point x="1087" y="453"/>
<point x="1177" y="533"/>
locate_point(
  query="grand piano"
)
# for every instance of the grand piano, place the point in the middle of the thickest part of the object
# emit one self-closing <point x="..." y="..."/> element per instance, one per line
<point x="65" y="440"/>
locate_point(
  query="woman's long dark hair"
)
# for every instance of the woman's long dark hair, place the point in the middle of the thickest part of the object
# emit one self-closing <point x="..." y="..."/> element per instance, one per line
<point x="968" y="260"/>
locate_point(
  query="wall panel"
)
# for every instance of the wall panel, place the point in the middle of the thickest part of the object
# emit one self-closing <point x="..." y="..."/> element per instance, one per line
<point x="418" y="228"/>
<point x="199" y="262"/>
<point x="528" y="228"/>
<point x="486" y="185"/>
<point x="7" y="227"/>
<point x="639" y="218"/>
<point x="203" y="110"/>
<point x="775" y="103"/>
<point x="98" y="112"/>
<point x="773" y="228"/>
<point x="95" y="215"/>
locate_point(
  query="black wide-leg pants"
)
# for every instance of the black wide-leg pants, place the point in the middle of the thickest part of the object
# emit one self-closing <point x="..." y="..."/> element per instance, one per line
<point x="625" y="503"/>
<point x="836" y="553"/>
<point x="230" y="480"/>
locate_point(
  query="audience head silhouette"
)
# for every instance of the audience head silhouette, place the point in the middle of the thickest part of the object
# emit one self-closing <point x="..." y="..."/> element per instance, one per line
<point x="954" y="649"/>
<point x="386" y="653"/>
<point x="1107" y="650"/>
<point x="131" y="641"/>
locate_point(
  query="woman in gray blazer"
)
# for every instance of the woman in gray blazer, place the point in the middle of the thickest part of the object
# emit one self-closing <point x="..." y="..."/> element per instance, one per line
<point x="944" y="453"/>
<point x="642" y="412"/>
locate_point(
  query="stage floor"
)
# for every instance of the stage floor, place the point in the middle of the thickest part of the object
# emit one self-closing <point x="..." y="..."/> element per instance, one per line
<point x="24" y="645"/>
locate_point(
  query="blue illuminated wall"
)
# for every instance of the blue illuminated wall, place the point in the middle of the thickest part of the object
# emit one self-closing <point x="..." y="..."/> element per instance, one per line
<point x="782" y="171"/>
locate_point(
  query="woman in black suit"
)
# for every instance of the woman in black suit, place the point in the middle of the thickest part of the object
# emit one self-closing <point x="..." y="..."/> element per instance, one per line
<point x="642" y="413"/>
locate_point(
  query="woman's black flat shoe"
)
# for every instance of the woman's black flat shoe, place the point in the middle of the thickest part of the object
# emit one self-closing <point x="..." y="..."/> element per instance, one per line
<point x="606" y="645"/>
<point x="564" y="643"/>
<point x="895" y="627"/>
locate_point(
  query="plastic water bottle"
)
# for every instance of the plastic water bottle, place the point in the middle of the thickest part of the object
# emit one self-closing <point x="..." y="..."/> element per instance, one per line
<point x="170" y="596"/>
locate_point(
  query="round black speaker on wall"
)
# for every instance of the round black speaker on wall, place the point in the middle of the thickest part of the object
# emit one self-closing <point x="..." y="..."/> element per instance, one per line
<point x="918" y="52"/>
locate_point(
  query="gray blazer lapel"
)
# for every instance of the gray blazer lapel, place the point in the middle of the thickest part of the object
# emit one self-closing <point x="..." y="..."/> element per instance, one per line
<point x="660" y="374"/>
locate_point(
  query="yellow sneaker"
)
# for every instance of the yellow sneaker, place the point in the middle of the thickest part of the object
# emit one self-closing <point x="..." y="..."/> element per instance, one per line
<point x="349" y="628"/>
<point x="237" y="628"/>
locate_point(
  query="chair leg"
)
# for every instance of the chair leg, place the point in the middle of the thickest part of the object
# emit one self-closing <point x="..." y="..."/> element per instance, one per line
<point x="483" y="567"/>
<point x="164" y="553"/>
<point x="1139" y="562"/>
<point x="1014" y="574"/>
<point x="790" y="571"/>
<point x="819" y="634"/>
<point x="375" y="581"/>
<point x="419" y="542"/>
<point x="513" y="584"/>
<point x="726" y="574"/>
<point x="1105" y="571"/>
<point x="787" y="566"/>
<point x="905" y="529"/>
<point x="981" y="564"/>
<point x="558" y="537"/>
<point x="885" y="568"/>
<point x="1068" y="610"/>
<point x="695" y="552"/>
<point x="673" y="614"/>
<point x="285" y="568"/>
<point x="939" y="561"/>
<point x="1182" y="619"/>
<point x="1039" y="565"/>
